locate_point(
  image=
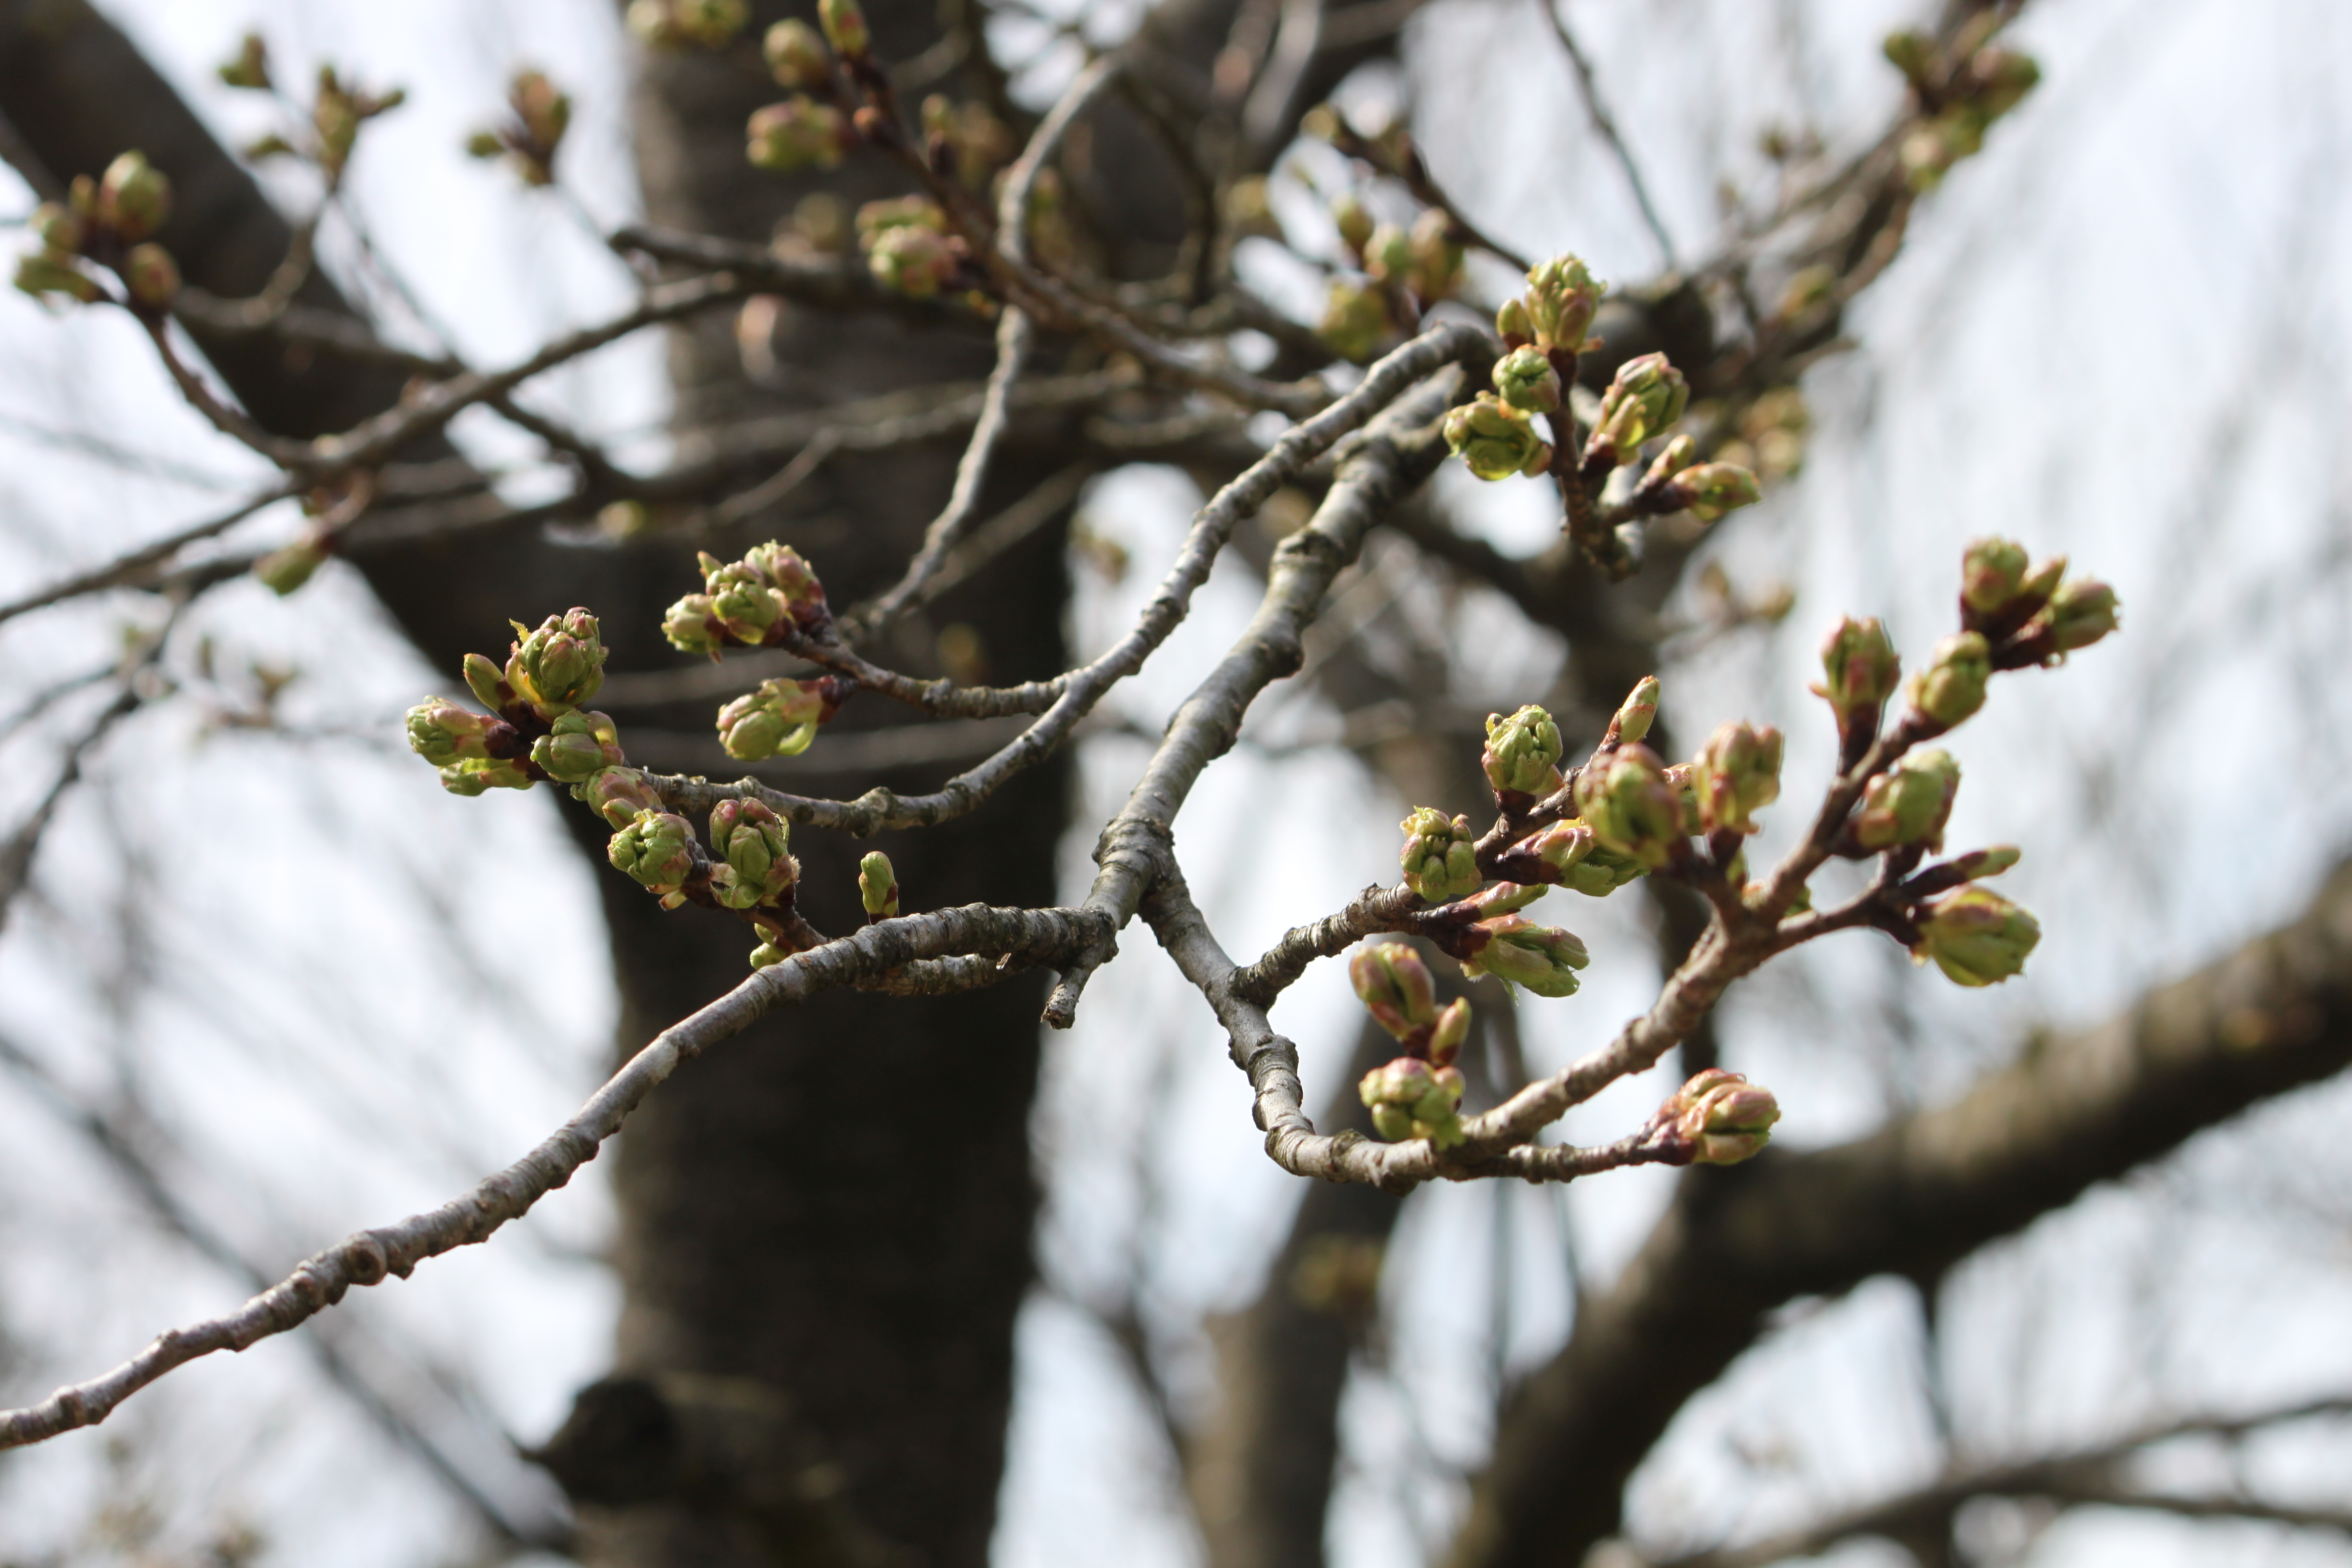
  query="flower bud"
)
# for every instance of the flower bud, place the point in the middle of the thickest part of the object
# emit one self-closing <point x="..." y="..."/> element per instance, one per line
<point x="1737" y="773"/>
<point x="797" y="58"/>
<point x="766" y="953"/>
<point x="560" y="664"/>
<point x="1511" y="321"/>
<point x="1979" y="864"/>
<point x="1911" y="52"/>
<point x="1560" y="298"/>
<point x="790" y="576"/>
<point x="1544" y="959"/>
<point x="152" y="275"/>
<point x="473" y="777"/>
<point x="1677" y="455"/>
<point x="692" y="627"/>
<point x="1632" y="807"/>
<point x="577" y="747"/>
<point x="1355" y="321"/>
<point x="1395" y="987"/>
<point x="482" y="678"/>
<point x="845" y="28"/>
<point x="1646" y="400"/>
<point x="1992" y="574"/>
<point x="46" y="272"/>
<point x="2080" y="613"/>
<point x="1355" y="224"/>
<point x="1496" y="439"/>
<point x="1522" y="752"/>
<point x="1436" y="255"/>
<point x="1602" y="871"/>
<point x="778" y="720"/>
<point x="1525" y="379"/>
<point x="742" y="600"/>
<point x="1977" y="937"/>
<point x="1952" y="687"/>
<point x="284" y="569"/>
<point x="1409" y="1098"/>
<point x="1909" y="803"/>
<point x="1387" y="256"/>
<point x="1710" y="489"/>
<point x="657" y="849"/>
<point x="1637" y="712"/>
<point x="134" y="197"/>
<point x="796" y="133"/>
<point x="443" y="733"/>
<point x="754" y="842"/>
<point x="1861" y="668"/>
<point x="59" y="228"/>
<point x="877" y="886"/>
<point x="912" y="260"/>
<point x="713" y="24"/>
<point x="618" y="795"/>
<point x="1723" y="1117"/>
<point x="1440" y="862"/>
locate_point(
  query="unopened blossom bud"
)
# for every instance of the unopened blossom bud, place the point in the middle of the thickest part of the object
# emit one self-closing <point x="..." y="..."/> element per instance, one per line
<point x="791" y="576"/>
<point x="474" y="777"/>
<point x="1637" y="712"/>
<point x="43" y="272"/>
<point x="1909" y="803"/>
<point x="1512" y="324"/>
<point x="796" y="133"/>
<point x="766" y="953"/>
<point x="756" y="844"/>
<point x="578" y="746"/>
<point x="1355" y="321"/>
<point x="1439" y="860"/>
<point x="561" y="664"/>
<point x="1861" y="668"/>
<point x="1911" y="52"/>
<point x="1710" y="489"/>
<point x="1453" y="1027"/>
<point x="1544" y="959"/>
<point x="250" y="68"/>
<point x="1992" y="574"/>
<point x="1603" y="872"/>
<point x="1977" y="937"/>
<point x="1977" y="864"/>
<point x="1410" y="1098"/>
<point x="1436" y="255"/>
<point x="2080" y="614"/>
<point x="1522" y="752"/>
<point x="1997" y="79"/>
<point x="59" y="228"/>
<point x="845" y="28"/>
<point x="1560" y="298"/>
<point x="134" y="197"/>
<point x="1525" y="379"/>
<point x="778" y="720"/>
<point x="1495" y="439"/>
<point x="657" y="849"/>
<point x="287" y="568"/>
<point x="1646" y="398"/>
<point x="443" y="733"/>
<point x="1395" y="987"/>
<point x="691" y="625"/>
<point x="618" y="795"/>
<point x="912" y="260"/>
<point x="1387" y="256"/>
<point x="1631" y="805"/>
<point x="1738" y="774"/>
<point x="1952" y="687"/>
<point x="797" y="57"/>
<point x="1724" y="1118"/>
<point x="1677" y="455"/>
<point x="877" y="886"/>
<point x="1354" y="223"/>
<point x="742" y="601"/>
<point x="152" y="275"/>
<point x="483" y="680"/>
<point x="712" y="24"/>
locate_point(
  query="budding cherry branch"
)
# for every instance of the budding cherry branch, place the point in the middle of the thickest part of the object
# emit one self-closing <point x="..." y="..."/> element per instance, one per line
<point x="983" y="231"/>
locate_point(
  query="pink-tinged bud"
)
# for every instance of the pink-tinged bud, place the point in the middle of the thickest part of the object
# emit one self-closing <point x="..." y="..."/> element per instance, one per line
<point x="792" y="577"/>
<point x="1452" y="1028"/>
<point x="1909" y="803"/>
<point x="1440" y="862"/>
<point x="152" y="275"/>
<point x="1561" y="300"/>
<point x="1388" y="257"/>
<point x="877" y="886"/>
<point x="1992" y="574"/>
<point x="1952" y="687"/>
<point x="1723" y="1117"/>
<point x="559" y="665"/>
<point x="1632" y="807"/>
<point x="1862" y="670"/>
<point x="488" y="687"/>
<point x="1522" y="753"/>
<point x="656" y="849"/>
<point x="1979" y="864"/>
<point x="778" y="720"/>
<point x="577" y="747"/>
<point x="443" y="733"/>
<point x="2080" y="613"/>
<point x="1544" y="959"/>
<point x="1711" y="489"/>
<point x="1355" y="321"/>
<point x="1637" y="712"/>
<point x="845" y="28"/>
<point x="1495" y="439"/>
<point x="618" y="795"/>
<point x="754" y="842"/>
<point x="134" y="197"/>
<point x="1977" y="937"/>
<point x="1409" y="1098"/>
<point x="742" y="601"/>
<point x="1395" y="987"/>
<point x="795" y="134"/>
<point x="797" y="58"/>
<point x="1525" y="379"/>
<point x="692" y="625"/>
<point x="474" y="777"/>
<point x="1677" y="455"/>
<point x="1512" y="323"/>
<point x="1646" y="400"/>
<point x="1738" y="774"/>
<point x="1436" y="255"/>
<point x="913" y="260"/>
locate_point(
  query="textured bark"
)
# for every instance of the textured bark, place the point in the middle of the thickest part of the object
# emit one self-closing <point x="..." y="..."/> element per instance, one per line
<point x="1912" y="1199"/>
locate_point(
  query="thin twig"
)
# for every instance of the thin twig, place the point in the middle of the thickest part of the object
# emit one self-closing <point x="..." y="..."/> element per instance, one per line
<point x="1607" y="127"/>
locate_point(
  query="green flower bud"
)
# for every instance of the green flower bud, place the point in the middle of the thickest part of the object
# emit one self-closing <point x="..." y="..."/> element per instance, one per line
<point x="657" y="849"/>
<point x="1512" y="323"/>
<point x="1522" y="752"/>
<point x="443" y="733"/>
<point x="1862" y="669"/>
<point x="250" y="68"/>
<point x="1355" y="321"/>
<point x="1710" y="489"/>
<point x="1645" y="399"/>
<point x="284" y="569"/>
<point x="134" y="197"/>
<point x="845" y="28"/>
<point x="1355" y="224"/>
<point x="482" y="678"/>
<point x="577" y="747"/>
<point x="1911" y="52"/>
<point x="742" y="602"/>
<point x="912" y="260"/>
<point x="713" y="24"/>
<point x="1724" y="1118"/>
<point x="1395" y="988"/>
<point x="1496" y="439"/>
<point x="560" y="665"/>
<point x="796" y="133"/>
<point x="691" y="625"/>
<point x="1560" y="298"/>
<point x="1387" y="255"/>
<point x="1410" y="1098"/>
<point x="1992" y="574"/>
<point x="1738" y="774"/>
<point x="1525" y="379"/>
<point x="1453" y="1027"/>
<point x="754" y="842"/>
<point x="877" y="886"/>
<point x="1436" y="255"/>
<point x="1603" y="872"/>
<point x="1678" y="454"/>
<point x="472" y="777"/>
<point x="1997" y="79"/>
<point x="790" y="576"/>
<point x="1542" y="958"/>
<point x="43" y="272"/>
<point x="618" y="795"/>
<point x="1440" y="862"/>
<point x="1977" y="937"/>
<point x="1979" y="864"/>
<point x="778" y="720"/>
<point x="1909" y="803"/>
<point x="59" y="228"/>
<point x="152" y="275"/>
<point x="1952" y="687"/>
<point x="2080" y="614"/>
<point x="1637" y="712"/>
<point x="766" y="953"/>
<point x="1631" y="805"/>
<point x="797" y="58"/>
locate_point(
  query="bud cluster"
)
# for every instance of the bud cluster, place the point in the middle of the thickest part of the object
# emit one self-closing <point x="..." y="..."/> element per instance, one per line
<point x="1410" y="1098"/>
<point x="909" y="247"/>
<point x="751" y="844"/>
<point x="2031" y="613"/>
<point x="675" y="24"/>
<point x="1960" y="94"/>
<point x="1511" y="947"/>
<point x="337" y="113"/>
<point x="778" y="720"/>
<point x="749" y="602"/>
<point x="529" y="140"/>
<point x="1440" y="862"/>
<point x="1720" y="1118"/>
<point x="1396" y="988"/>
<point x="1522" y="753"/>
<point x="106" y="221"/>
